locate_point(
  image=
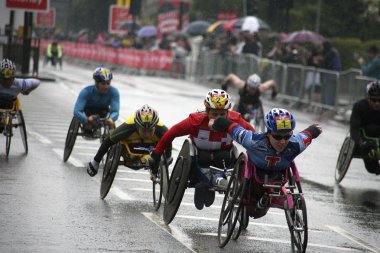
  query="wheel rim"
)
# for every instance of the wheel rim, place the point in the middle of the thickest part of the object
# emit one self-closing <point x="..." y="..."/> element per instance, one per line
<point x="22" y="126"/>
<point x="70" y="139"/>
<point x="157" y="189"/>
<point x="344" y="159"/>
<point x="8" y="129"/>
<point x="110" y="169"/>
<point x="297" y="222"/>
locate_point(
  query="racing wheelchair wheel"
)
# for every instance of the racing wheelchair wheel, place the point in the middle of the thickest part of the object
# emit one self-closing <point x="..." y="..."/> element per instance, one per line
<point x="22" y="126"/>
<point x="160" y="183"/>
<point x="178" y="183"/>
<point x="110" y="169"/>
<point x="259" y="121"/>
<point x="344" y="158"/>
<point x="296" y="218"/>
<point x="8" y="134"/>
<point x="232" y="205"/>
<point x="71" y="138"/>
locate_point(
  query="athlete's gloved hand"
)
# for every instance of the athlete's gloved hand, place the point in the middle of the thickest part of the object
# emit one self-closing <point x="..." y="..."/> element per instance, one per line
<point x="366" y="146"/>
<point x="152" y="160"/>
<point x="110" y="123"/>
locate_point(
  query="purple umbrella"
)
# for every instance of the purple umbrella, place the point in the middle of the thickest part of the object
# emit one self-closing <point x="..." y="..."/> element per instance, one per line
<point x="303" y="37"/>
<point x="147" y="31"/>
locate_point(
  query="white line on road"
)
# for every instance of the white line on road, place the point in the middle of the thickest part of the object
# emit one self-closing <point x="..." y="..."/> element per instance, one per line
<point x="353" y="238"/>
<point x="39" y="137"/>
<point x="283" y="241"/>
<point x="71" y="160"/>
<point x="171" y="230"/>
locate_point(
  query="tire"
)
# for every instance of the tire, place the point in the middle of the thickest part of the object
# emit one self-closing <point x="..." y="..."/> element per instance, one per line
<point x="22" y="126"/>
<point x="296" y="219"/>
<point x="70" y="138"/>
<point x="259" y="121"/>
<point x="110" y="169"/>
<point x="9" y="133"/>
<point x="344" y="159"/>
<point x="232" y="205"/>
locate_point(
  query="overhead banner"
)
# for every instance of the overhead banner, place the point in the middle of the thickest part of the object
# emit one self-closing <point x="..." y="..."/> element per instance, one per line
<point x="45" y="19"/>
<point x="172" y="16"/>
<point x="119" y="18"/>
<point x="28" y="5"/>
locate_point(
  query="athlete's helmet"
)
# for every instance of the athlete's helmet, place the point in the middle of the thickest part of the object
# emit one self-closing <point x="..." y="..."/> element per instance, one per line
<point x="253" y="81"/>
<point x="373" y="88"/>
<point x="7" y="69"/>
<point x="146" y="117"/>
<point x="102" y="74"/>
<point x="279" y="120"/>
<point x="217" y="99"/>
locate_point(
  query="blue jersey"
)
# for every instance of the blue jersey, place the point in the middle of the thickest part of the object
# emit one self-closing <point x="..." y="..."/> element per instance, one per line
<point x="89" y="97"/>
<point x="262" y="155"/>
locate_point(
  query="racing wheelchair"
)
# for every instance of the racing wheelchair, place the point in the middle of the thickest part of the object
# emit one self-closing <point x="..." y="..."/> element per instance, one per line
<point x="11" y="117"/>
<point x="251" y="192"/>
<point x="254" y="116"/>
<point x="123" y="154"/>
<point x="350" y="150"/>
<point x="180" y="178"/>
<point x="76" y="128"/>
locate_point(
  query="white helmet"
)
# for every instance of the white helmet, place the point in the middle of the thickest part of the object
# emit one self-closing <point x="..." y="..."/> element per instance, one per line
<point x="253" y="81"/>
<point x="217" y="99"/>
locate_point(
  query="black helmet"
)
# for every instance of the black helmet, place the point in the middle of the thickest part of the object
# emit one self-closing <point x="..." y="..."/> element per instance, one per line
<point x="146" y="117"/>
<point x="373" y="88"/>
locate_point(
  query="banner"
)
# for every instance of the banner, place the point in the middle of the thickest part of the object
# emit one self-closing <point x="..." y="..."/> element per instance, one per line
<point x="28" y="5"/>
<point x="172" y="16"/>
<point x="45" y="19"/>
<point x="119" y="18"/>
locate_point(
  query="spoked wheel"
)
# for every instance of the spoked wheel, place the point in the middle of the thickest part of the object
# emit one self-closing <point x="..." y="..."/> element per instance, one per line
<point x="297" y="223"/>
<point x="344" y="159"/>
<point x="22" y="126"/>
<point x="8" y="134"/>
<point x="241" y="224"/>
<point x="70" y="138"/>
<point x="232" y="205"/>
<point x="110" y="168"/>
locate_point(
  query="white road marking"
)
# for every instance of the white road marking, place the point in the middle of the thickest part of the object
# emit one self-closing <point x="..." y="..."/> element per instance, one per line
<point x="75" y="162"/>
<point x="39" y="137"/>
<point x="283" y="242"/>
<point x="133" y="179"/>
<point x="171" y="230"/>
<point x="354" y="238"/>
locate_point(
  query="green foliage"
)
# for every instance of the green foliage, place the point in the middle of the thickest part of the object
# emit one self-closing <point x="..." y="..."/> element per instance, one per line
<point x="349" y="50"/>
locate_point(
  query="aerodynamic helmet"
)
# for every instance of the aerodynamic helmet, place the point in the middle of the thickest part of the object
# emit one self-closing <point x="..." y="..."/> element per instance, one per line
<point x="217" y="99"/>
<point x="279" y="120"/>
<point x="146" y="117"/>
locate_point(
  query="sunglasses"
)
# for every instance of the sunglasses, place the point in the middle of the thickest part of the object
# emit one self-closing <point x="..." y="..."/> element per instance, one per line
<point x="374" y="100"/>
<point x="280" y="137"/>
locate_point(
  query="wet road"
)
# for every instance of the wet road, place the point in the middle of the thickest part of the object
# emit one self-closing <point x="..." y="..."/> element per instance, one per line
<point x="51" y="206"/>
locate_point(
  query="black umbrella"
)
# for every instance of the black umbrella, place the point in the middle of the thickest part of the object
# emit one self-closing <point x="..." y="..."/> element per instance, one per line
<point x="196" y="28"/>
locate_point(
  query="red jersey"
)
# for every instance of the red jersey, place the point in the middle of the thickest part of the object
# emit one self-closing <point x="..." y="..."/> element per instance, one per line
<point x="196" y="126"/>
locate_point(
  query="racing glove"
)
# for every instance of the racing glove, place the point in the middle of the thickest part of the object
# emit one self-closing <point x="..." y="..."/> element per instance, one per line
<point x="152" y="160"/>
<point x="110" y="122"/>
<point x="313" y="131"/>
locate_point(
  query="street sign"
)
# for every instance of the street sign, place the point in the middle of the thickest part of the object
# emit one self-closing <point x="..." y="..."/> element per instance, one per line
<point x="45" y="19"/>
<point x="118" y="16"/>
<point x="31" y="5"/>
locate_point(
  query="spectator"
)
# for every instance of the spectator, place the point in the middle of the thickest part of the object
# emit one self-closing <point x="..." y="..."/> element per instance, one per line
<point x="165" y="43"/>
<point x="331" y="61"/>
<point x="250" y="46"/>
<point x="372" y="67"/>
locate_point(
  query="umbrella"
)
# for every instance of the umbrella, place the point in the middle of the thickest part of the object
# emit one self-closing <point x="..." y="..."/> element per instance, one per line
<point x="303" y="37"/>
<point x="128" y="25"/>
<point x="196" y="28"/>
<point x="217" y="27"/>
<point x="147" y="31"/>
<point x="249" y="23"/>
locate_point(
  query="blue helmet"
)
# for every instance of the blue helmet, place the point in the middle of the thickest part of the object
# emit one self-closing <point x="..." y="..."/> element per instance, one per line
<point x="102" y="74"/>
<point x="279" y="120"/>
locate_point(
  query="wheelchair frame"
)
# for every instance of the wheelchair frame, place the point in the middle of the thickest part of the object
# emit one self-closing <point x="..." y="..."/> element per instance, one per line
<point x="9" y="114"/>
<point x="286" y="194"/>
<point x="73" y="132"/>
<point x="347" y="153"/>
<point x="132" y="161"/>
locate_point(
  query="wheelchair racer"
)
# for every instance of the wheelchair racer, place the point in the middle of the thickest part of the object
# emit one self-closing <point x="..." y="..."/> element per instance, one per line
<point x="271" y="151"/>
<point x="366" y="115"/>
<point x="142" y="131"/>
<point x="214" y="147"/>
<point x="97" y="100"/>
<point x="11" y="87"/>
<point x="249" y="91"/>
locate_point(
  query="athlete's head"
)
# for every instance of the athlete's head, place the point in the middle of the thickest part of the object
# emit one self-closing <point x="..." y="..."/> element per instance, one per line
<point x="217" y="103"/>
<point x="280" y="124"/>
<point x="373" y="92"/>
<point x="102" y="77"/>
<point x="7" y="73"/>
<point x="146" y="119"/>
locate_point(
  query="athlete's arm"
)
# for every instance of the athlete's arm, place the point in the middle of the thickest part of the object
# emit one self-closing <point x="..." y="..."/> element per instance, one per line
<point x="115" y="105"/>
<point x="235" y="80"/>
<point x="80" y="105"/>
